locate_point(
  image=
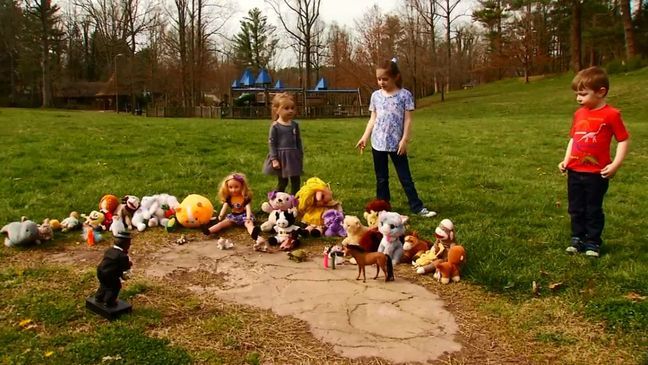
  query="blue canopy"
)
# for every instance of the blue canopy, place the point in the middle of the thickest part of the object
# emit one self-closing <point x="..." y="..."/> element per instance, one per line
<point x="263" y="78"/>
<point x="236" y="84"/>
<point x="247" y="79"/>
<point x="279" y="85"/>
<point x="321" y="84"/>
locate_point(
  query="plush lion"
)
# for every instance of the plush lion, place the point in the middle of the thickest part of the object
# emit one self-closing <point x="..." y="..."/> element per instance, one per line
<point x="315" y="197"/>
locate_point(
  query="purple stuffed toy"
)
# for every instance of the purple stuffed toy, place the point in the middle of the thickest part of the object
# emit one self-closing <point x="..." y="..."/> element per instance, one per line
<point x="333" y="220"/>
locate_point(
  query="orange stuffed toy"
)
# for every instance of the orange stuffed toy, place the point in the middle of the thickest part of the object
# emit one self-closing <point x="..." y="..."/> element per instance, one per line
<point x="445" y="271"/>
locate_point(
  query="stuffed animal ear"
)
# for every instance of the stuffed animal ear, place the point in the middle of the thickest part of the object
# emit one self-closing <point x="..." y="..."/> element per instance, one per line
<point x="404" y="218"/>
<point x="271" y="195"/>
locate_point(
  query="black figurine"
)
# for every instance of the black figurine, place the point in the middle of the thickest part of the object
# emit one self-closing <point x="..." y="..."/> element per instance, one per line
<point x="111" y="271"/>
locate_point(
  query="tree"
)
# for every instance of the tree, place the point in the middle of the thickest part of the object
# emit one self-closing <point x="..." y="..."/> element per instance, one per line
<point x="45" y="16"/>
<point x="255" y="44"/>
<point x="575" y="35"/>
<point x="628" y="29"/>
<point x="10" y="25"/>
<point x="306" y="13"/>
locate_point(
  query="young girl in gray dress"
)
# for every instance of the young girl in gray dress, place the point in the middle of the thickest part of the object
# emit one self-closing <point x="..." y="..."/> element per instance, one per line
<point x="286" y="154"/>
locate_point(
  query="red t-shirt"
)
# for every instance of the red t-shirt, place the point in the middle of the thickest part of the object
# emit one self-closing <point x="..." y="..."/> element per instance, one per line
<point x="592" y="132"/>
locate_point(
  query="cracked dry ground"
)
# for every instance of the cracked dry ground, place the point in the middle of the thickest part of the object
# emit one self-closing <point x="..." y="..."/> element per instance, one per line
<point x="302" y="313"/>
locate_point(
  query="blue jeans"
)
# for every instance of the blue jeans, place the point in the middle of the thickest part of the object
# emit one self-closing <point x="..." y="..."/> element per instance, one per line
<point x="585" y="192"/>
<point x="401" y="163"/>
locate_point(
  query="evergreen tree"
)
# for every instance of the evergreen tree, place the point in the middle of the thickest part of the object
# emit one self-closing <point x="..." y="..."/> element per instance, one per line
<point x="255" y="45"/>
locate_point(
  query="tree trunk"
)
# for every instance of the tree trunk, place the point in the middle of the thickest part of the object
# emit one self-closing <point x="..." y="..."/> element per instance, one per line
<point x="576" y="36"/>
<point x="628" y="30"/>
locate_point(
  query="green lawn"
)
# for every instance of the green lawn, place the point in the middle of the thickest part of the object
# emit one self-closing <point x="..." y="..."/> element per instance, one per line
<point x="486" y="158"/>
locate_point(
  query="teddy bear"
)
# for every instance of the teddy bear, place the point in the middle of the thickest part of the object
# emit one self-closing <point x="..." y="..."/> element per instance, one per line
<point x="314" y="198"/>
<point x="287" y="232"/>
<point x="391" y="225"/>
<point x="20" y="233"/>
<point x="445" y="239"/>
<point x="414" y="247"/>
<point x="194" y="211"/>
<point x="45" y="231"/>
<point x="333" y="222"/>
<point x="354" y="229"/>
<point x="70" y="223"/>
<point x="277" y="201"/>
<point x="451" y="269"/>
<point x="154" y="211"/>
<point x="125" y="210"/>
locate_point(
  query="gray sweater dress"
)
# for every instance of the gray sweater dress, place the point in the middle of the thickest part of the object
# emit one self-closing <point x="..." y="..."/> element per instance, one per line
<point x="285" y="145"/>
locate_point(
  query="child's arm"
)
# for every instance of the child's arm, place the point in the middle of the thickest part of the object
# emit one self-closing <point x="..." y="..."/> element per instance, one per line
<point x="362" y="143"/>
<point x="562" y="166"/>
<point x="621" y="151"/>
<point x="407" y="123"/>
<point x="272" y="146"/>
<point x="223" y="210"/>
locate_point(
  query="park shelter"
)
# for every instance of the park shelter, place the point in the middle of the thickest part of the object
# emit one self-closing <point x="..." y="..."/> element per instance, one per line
<point x="251" y="99"/>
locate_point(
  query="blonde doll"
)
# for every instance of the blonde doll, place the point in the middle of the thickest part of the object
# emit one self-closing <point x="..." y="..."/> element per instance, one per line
<point x="235" y="194"/>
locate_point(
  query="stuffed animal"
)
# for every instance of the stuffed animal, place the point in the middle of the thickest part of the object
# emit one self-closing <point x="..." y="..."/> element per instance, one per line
<point x="126" y="210"/>
<point x="287" y="232"/>
<point x="107" y="205"/>
<point x="20" y="233"/>
<point x="445" y="239"/>
<point x="314" y="198"/>
<point x="414" y="247"/>
<point x="390" y="224"/>
<point x="354" y="229"/>
<point x="451" y="269"/>
<point x="277" y="201"/>
<point x="194" y="211"/>
<point x="372" y="209"/>
<point x="45" y="231"/>
<point x="70" y="223"/>
<point x="55" y="224"/>
<point x="153" y="211"/>
<point x="92" y="227"/>
<point x="333" y="222"/>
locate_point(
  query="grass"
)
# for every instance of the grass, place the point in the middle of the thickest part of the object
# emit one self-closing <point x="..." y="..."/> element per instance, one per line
<point x="486" y="158"/>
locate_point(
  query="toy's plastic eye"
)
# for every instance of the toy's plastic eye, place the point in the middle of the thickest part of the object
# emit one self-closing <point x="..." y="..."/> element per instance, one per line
<point x="391" y="226"/>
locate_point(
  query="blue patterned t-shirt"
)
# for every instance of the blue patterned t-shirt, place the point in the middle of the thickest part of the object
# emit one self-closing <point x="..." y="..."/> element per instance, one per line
<point x="390" y="117"/>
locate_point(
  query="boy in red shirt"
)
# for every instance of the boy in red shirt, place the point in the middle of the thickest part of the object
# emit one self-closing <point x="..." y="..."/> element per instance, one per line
<point x="587" y="159"/>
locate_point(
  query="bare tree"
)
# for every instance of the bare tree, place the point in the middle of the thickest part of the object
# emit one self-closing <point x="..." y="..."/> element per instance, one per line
<point x="427" y="10"/>
<point x="447" y="14"/>
<point x="575" y="35"/>
<point x="307" y="13"/>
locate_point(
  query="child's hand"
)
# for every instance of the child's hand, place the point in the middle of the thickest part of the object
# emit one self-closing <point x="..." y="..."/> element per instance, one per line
<point x="220" y="217"/>
<point x="276" y="165"/>
<point x="609" y="171"/>
<point x="402" y="147"/>
<point x="562" y="166"/>
<point x="362" y="143"/>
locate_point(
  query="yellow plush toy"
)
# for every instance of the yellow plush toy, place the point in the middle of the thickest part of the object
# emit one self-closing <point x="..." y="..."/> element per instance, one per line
<point x="315" y="197"/>
<point x="194" y="211"/>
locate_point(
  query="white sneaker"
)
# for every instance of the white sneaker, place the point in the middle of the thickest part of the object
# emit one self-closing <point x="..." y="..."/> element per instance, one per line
<point x="426" y="213"/>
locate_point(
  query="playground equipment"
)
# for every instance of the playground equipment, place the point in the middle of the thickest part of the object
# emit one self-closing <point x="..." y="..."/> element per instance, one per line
<point x="251" y="98"/>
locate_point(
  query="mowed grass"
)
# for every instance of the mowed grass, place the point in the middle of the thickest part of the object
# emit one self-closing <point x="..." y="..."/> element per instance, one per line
<point x="486" y="158"/>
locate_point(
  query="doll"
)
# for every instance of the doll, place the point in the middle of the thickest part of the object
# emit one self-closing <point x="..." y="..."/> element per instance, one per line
<point x="315" y="198"/>
<point x="235" y="194"/>
<point x="112" y="270"/>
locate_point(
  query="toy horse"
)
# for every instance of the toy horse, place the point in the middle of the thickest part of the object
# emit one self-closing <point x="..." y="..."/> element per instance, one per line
<point x="364" y="258"/>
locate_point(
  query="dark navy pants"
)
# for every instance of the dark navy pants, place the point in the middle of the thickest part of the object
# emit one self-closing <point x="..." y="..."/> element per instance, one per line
<point x="585" y="192"/>
<point x="401" y="163"/>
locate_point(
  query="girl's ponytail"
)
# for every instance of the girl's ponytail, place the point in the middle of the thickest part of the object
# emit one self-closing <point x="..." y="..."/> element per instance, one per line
<point x="392" y="70"/>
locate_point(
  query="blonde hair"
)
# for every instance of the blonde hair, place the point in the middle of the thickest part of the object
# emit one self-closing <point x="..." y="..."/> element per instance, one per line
<point x="593" y="78"/>
<point x="306" y="196"/>
<point x="223" y="192"/>
<point x="278" y="100"/>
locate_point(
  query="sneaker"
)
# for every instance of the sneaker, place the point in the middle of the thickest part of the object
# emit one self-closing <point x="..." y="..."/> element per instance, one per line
<point x="576" y="246"/>
<point x="424" y="212"/>
<point x="591" y="253"/>
<point x="591" y="249"/>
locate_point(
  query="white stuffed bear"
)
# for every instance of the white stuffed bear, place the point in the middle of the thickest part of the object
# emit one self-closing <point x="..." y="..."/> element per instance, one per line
<point x="143" y="214"/>
<point x="151" y="212"/>
<point x="277" y="202"/>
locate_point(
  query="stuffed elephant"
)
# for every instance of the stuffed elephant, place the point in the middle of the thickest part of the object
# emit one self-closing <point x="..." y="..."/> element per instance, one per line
<point x="20" y="233"/>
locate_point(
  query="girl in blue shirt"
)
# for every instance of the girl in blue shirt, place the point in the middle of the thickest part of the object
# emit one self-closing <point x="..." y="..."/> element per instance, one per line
<point x="389" y="128"/>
